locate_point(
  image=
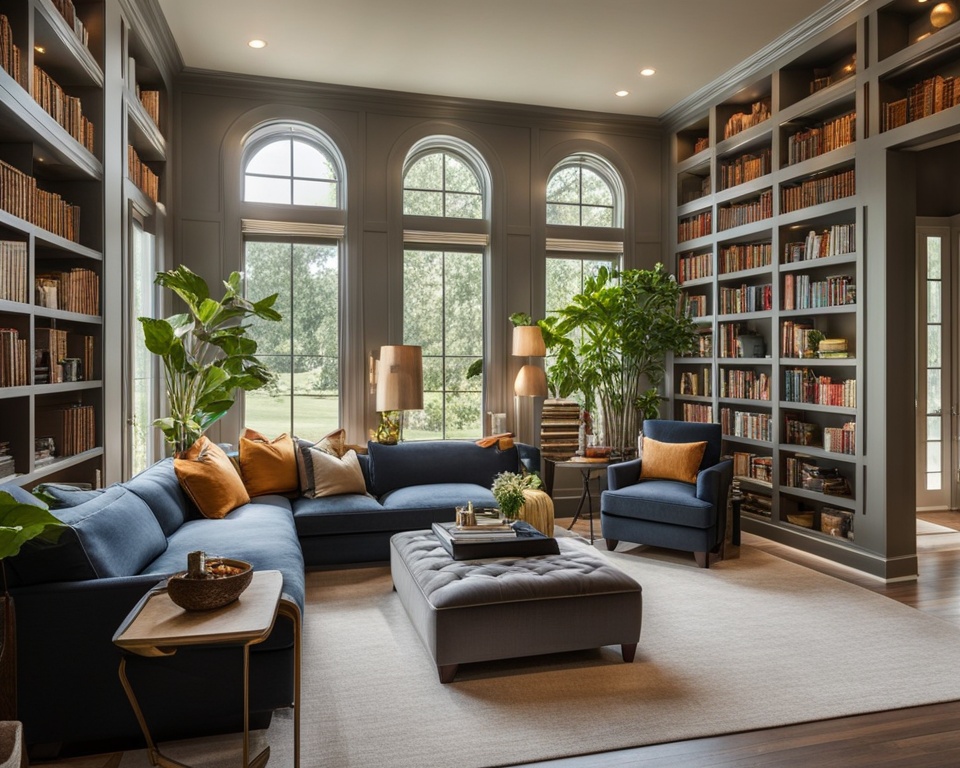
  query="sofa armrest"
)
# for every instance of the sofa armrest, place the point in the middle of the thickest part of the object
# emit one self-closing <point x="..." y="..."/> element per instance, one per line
<point x="713" y="482"/>
<point x="623" y="474"/>
<point x="529" y="457"/>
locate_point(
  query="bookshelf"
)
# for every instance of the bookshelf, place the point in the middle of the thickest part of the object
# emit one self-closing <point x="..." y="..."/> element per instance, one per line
<point x="52" y="230"/>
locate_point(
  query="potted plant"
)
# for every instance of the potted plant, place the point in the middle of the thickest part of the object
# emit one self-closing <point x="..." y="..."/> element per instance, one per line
<point x="611" y="345"/>
<point x="20" y="522"/>
<point x="508" y="488"/>
<point x="206" y="353"/>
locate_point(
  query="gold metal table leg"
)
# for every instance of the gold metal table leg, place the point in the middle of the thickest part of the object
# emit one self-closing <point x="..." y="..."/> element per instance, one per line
<point x="156" y="758"/>
<point x="292" y="612"/>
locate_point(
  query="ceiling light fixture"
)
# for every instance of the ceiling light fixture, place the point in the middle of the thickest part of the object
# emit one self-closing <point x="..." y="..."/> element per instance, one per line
<point x="39" y="49"/>
<point x="621" y="94"/>
<point x="257" y="44"/>
<point x="647" y="71"/>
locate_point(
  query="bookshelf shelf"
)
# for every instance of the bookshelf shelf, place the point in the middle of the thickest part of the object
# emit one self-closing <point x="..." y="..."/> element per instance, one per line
<point x="733" y="277"/>
<point x="745" y="139"/>
<point x="824" y="102"/>
<point x="697" y="162"/>
<point x="59" y="465"/>
<point x="144" y="134"/>
<point x="748" y="441"/>
<point x="816" y="407"/>
<point x="833" y="160"/>
<point x="845" y="502"/>
<point x="59" y="314"/>
<point x="828" y="262"/>
<point x="65" y="57"/>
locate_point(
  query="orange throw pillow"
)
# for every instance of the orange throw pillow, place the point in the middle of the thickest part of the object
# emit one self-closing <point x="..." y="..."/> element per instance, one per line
<point x="268" y="466"/>
<point x="208" y="477"/>
<point x="671" y="461"/>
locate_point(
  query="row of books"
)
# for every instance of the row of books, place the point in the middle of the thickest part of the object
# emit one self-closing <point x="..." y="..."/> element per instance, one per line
<point x="799" y="432"/>
<point x="695" y="226"/>
<point x="836" y="241"/>
<point x="701" y="144"/>
<point x="698" y="413"/>
<point x="802" y="385"/>
<point x="7" y="466"/>
<point x="803" y="472"/>
<point x="62" y="356"/>
<point x="14" y="270"/>
<point x="559" y="429"/>
<point x="14" y="359"/>
<point x="823" y="138"/>
<point x="803" y="292"/>
<point x="740" y="256"/>
<point x="795" y="339"/>
<point x="697" y="384"/>
<point x="929" y="96"/>
<point x="746" y="464"/>
<point x="11" y="57"/>
<point x="62" y="107"/>
<point x="744" y="384"/>
<point x="694" y="266"/>
<point x="140" y="174"/>
<point x="72" y="428"/>
<point x="69" y="13"/>
<point x="20" y="196"/>
<point x="151" y="103"/>
<point x="735" y="341"/>
<point x="755" y="426"/>
<point x="756" y="504"/>
<point x="746" y="167"/>
<point x="76" y="290"/>
<point x="823" y="189"/>
<point x="841" y="439"/>
<point x="746" y="298"/>
<point x="704" y="342"/>
<point x="741" y="121"/>
<point x="738" y="214"/>
<point x="693" y="305"/>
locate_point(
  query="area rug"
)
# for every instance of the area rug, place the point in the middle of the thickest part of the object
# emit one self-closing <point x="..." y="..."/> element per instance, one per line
<point x="750" y="643"/>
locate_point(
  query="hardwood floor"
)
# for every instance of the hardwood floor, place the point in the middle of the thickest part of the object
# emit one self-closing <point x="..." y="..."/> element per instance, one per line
<point x="916" y="737"/>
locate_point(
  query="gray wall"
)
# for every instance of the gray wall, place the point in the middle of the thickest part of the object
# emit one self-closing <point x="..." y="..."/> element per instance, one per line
<point x="374" y="130"/>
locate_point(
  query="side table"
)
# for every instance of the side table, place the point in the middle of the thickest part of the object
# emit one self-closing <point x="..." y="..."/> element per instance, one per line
<point x="158" y="627"/>
<point x="587" y="468"/>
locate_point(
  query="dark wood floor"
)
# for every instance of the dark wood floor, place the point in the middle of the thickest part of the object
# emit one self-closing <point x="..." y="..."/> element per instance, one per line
<point x="920" y="736"/>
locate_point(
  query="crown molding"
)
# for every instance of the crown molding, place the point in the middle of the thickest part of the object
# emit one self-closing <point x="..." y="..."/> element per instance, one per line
<point x="147" y="17"/>
<point x="692" y="107"/>
<point x="332" y="96"/>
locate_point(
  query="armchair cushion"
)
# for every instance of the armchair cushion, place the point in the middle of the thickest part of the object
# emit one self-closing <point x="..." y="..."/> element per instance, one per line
<point x="662" y="501"/>
<point x="671" y="461"/>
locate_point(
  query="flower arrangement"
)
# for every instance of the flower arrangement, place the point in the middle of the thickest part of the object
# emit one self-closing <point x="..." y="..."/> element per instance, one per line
<point x="508" y="488"/>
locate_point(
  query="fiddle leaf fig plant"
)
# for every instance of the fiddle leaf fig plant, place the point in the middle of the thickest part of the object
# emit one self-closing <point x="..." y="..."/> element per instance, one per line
<point x="206" y="353"/>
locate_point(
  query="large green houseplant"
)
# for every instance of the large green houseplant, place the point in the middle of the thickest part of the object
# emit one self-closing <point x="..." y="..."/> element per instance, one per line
<point x="206" y="353"/>
<point x="610" y="345"/>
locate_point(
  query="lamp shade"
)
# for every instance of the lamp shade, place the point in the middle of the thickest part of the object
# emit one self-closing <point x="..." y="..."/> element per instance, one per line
<point x="531" y="382"/>
<point x="400" y="378"/>
<point x="528" y="341"/>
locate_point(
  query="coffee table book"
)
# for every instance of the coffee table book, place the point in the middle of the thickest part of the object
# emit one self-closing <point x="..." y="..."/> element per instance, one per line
<point x="528" y="542"/>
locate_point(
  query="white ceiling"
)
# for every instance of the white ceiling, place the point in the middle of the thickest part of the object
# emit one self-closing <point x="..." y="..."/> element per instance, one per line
<point x="561" y="53"/>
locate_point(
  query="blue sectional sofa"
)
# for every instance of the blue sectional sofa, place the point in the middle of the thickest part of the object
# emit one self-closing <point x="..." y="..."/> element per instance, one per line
<point x="71" y="597"/>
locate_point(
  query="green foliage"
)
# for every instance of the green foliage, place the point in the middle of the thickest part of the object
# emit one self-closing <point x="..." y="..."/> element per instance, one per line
<point x="814" y="338"/>
<point x="611" y="342"/>
<point x="508" y="488"/>
<point x="521" y="318"/>
<point x="206" y="353"/>
<point x="20" y="523"/>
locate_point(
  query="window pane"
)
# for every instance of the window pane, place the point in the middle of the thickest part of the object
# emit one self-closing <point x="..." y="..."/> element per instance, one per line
<point x="595" y="189"/>
<point x="433" y="374"/>
<point x="459" y="176"/>
<point x="933" y="258"/>
<point x="422" y="203"/>
<point x="464" y="206"/>
<point x="563" y="214"/>
<point x="934" y="482"/>
<point x="564" y="186"/>
<point x="423" y="301"/>
<point x="933" y="301"/>
<point x="273" y="159"/>
<point x="933" y="457"/>
<point x="321" y="193"/>
<point x="262" y="189"/>
<point x="933" y="346"/>
<point x="267" y="271"/>
<point x="597" y="217"/>
<point x="426" y="173"/>
<point x="564" y="281"/>
<point x="310" y="163"/>
<point x="463" y="415"/>
<point x="428" y="423"/>
<point x="463" y="302"/>
<point x="267" y="412"/>
<point x="933" y="391"/>
<point x="933" y="427"/>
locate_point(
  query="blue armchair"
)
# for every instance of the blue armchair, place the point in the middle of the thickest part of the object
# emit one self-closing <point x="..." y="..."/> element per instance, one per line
<point x="669" y="513"/>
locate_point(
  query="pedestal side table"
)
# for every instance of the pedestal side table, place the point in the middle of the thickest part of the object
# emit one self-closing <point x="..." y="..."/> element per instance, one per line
<point x="158" y="627"/>
<point x="589" y="468"/>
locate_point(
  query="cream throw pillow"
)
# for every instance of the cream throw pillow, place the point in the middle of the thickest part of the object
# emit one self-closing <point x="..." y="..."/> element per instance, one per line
<point x="671" y="461"/>
<point x="334" y="475"/>
<point x="333" y="443"/>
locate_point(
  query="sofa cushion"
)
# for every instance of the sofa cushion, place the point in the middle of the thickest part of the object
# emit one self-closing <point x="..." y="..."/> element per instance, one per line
<point x="65" y="495"/>
<point x="210" y="479"/>
<point x="267" y="466"/>
<point x="666" y="501"/>
<point x="114" y="534"/>
<point x="158" y="486"/>
<point x="671" y="461"/>
<point x="436" y="461"/>
<point x="438" y="496"/>
<point x="335" y="476"/>
<point x="347" y="513"/>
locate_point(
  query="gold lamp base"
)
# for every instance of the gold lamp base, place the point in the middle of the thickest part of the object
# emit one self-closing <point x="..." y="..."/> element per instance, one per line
<point x="389" y="429"/>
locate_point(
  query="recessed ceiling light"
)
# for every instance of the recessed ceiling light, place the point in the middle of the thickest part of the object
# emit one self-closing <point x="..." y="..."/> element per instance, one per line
<point x="646" y="72"/>
<point x="257" y="43"/>
<point x="39" y="49"/>
<point x="621" y="94"/>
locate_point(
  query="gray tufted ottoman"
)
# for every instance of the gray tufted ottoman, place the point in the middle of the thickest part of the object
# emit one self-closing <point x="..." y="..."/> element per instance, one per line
<point x="479" y="610"/>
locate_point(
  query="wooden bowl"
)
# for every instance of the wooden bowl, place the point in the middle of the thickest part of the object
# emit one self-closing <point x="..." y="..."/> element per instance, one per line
<point x="213" y="591"/>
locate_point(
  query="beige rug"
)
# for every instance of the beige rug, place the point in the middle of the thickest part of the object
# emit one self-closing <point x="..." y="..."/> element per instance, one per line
<point x="751" y="643"/>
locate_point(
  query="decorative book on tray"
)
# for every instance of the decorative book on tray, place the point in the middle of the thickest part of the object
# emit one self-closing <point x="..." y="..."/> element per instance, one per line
<point x="518" y="540"/>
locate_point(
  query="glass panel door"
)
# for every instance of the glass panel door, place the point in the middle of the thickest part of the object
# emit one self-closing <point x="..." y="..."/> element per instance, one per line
<point x="143" y="442"/>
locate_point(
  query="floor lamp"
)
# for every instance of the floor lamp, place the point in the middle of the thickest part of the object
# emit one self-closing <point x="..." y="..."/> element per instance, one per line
<point x="531" y="381"/>
<point x="399" y="389"/>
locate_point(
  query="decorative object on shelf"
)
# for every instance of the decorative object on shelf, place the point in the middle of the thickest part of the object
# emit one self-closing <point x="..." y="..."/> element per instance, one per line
<point x="209" y="582"/>
<point x="399" y="389"/>
<point x="206" y="353"/>
<point x="20" y="521"/>
<point x="943" y="14"/>
<point x="628" y="322"/>
<point x="508" y="489"/>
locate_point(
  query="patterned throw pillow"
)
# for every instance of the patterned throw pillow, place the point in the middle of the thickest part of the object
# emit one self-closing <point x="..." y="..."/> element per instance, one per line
<point x="208" y="477"/>
<point x="334" y="444"/>
<point x="671" y="461"/>
<point x="267" y="466"/>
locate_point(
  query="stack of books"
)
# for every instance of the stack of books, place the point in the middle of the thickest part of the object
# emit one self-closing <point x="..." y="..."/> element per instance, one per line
<point x="487" y="528"/>
<point x="559" y="429"/>
<point x="7" y="467"/>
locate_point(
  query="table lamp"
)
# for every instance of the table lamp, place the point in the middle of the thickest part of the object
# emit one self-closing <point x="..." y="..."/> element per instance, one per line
<point x="399" y="389"/>
<point x="531" y="381"/>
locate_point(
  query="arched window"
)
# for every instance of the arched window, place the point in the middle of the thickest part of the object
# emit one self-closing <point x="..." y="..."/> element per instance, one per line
<point x="584" y="191"/>
<point x="291" y="169"/>
<point x="299" y="259"/>
<point x="444" y="285"/>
